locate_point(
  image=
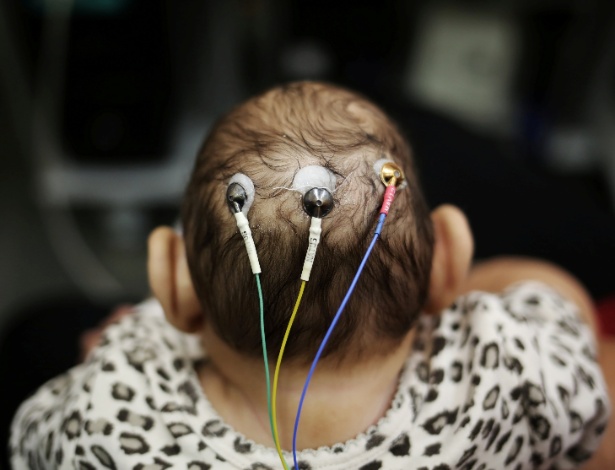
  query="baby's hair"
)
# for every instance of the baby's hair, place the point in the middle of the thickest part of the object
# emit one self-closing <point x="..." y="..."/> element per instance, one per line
<point x="269" y="138"/>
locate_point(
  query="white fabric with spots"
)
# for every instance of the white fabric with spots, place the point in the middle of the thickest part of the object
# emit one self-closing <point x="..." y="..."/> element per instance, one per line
<point x="496" y="381"/>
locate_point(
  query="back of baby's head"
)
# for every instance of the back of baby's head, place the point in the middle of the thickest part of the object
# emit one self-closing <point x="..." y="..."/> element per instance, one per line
<point x="270" y="138"/>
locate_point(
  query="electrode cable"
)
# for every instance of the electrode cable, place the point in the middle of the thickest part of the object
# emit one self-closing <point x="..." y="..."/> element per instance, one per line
<point x="323" y="344"/>
<point x="276" y="374"/>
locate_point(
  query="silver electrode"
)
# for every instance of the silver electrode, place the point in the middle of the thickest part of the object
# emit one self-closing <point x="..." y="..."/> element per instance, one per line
<point x="316" y="183"/>
<point x="318" y="202"/>
<point x="236" y="197"/>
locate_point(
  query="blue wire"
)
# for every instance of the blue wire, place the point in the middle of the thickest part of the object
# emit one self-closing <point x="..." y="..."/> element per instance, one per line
<point x="330" y="330"/>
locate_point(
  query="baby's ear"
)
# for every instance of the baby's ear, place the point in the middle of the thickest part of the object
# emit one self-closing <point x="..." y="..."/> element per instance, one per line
<point x="170" y="280"/>
<point x="452" y="256"/>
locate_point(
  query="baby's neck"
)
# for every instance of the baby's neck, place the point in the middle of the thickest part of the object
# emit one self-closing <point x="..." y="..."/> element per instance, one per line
<point x="341" y="402"/>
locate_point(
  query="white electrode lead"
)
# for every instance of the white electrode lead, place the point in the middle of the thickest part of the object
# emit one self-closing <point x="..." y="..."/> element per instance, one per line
<point x="317" y="202"/>
<point x="246" y="234"/>
<point x="314" y="240"/>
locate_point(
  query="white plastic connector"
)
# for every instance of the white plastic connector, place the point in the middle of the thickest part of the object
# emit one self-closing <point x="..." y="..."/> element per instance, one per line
<point x="315" y="231"/>
<point x="246" y="234"/>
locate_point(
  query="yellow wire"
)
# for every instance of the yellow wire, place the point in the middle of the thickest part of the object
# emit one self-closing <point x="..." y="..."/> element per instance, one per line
<point x="276" y="374"/>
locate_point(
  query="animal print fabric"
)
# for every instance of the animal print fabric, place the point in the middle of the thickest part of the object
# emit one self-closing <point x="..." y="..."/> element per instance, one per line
<point x="504" y="381"/>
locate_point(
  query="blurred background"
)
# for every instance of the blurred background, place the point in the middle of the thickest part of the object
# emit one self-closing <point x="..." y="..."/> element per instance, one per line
<point x="509" y="106"/>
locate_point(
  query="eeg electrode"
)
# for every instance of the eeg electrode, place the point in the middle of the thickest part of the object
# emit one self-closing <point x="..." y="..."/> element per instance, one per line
<point x="241" y="191"/>
<point x="239" y="198"/>
<point x="389" y="172"/>
<point x="318" y="202"/>
<point x="316" y="183"/>
<point x="236" y="197"/>
<point x="392" y="176"/>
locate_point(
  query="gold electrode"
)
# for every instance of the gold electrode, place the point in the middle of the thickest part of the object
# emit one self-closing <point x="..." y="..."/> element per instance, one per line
<point x="391" y="174"/>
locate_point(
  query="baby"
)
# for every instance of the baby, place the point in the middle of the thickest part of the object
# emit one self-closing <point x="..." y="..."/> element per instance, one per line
<point x="425" y="369"/>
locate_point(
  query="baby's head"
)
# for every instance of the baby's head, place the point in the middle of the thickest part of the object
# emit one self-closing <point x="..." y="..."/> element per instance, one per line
<point x="269" y="139"/>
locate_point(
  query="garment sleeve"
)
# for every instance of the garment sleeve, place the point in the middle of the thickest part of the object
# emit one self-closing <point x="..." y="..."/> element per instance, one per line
<point x="50" y="428"/>
<point x="46" y="423"/>
<point x="558" y="394"/>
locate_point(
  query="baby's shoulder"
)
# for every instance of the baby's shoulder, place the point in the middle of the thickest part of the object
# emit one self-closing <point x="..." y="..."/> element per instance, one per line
<point x="498" y="365"/>
<point x="531" y="309"/>
<point x="141" y="369"/>
<point x="508" y="333"/>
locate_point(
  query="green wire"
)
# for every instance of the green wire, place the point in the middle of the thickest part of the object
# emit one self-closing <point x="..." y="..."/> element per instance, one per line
<point x="265" y="359"/>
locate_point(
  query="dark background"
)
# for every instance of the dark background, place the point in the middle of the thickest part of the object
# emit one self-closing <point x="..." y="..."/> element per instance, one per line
<point x="509" y="107"/>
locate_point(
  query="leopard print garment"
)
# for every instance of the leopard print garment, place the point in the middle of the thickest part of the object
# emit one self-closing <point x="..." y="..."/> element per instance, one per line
<point x="496" y="382"/>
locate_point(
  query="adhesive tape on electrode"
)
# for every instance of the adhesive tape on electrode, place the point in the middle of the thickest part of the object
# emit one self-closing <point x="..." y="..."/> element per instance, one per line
<point x="314" y="176"/>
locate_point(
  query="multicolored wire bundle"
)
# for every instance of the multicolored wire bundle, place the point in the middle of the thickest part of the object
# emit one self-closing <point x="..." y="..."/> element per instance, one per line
<point x="392" y="176"/>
